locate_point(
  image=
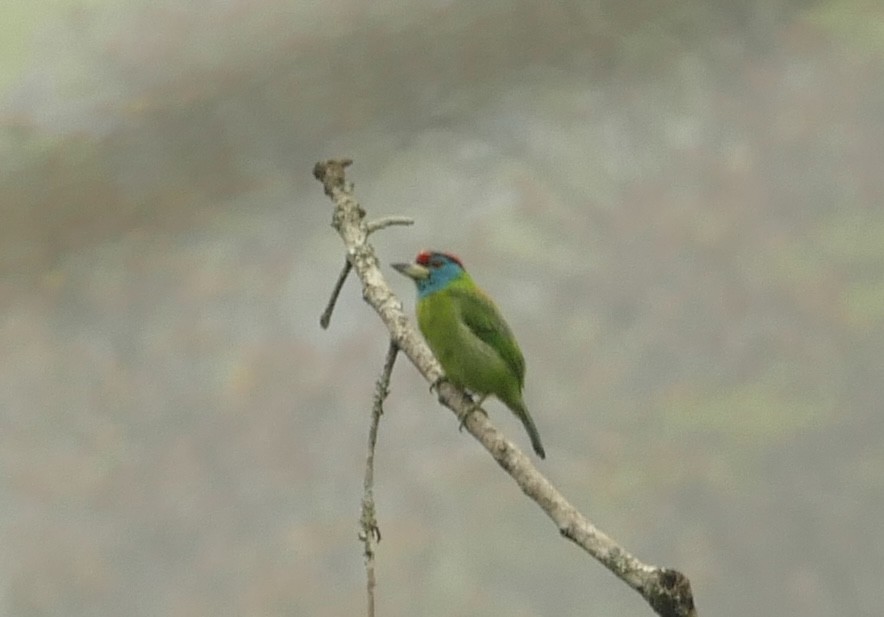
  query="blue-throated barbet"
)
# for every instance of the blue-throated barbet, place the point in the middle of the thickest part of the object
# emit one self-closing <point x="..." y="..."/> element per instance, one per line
<point x="468" y="335"/>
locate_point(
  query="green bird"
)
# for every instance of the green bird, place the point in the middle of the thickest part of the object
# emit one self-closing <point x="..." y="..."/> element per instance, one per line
<point x="468" y="335"/>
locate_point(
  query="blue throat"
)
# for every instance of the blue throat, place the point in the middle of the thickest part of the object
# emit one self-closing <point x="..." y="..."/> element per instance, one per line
<point x="438" y="279"/>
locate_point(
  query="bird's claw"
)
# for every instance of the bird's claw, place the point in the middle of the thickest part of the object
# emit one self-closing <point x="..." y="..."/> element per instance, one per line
<point x="435" y="385"/>
<point x="473" y="408"/>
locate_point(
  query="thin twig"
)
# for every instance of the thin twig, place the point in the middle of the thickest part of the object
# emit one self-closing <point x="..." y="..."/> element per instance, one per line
<point x="327" y="313"/>
<point x="388" y="221"/>
<point x="370" y="533"/>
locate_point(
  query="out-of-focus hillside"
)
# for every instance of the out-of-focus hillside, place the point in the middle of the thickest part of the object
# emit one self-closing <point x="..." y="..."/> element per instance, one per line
<point x="677" y="205"/>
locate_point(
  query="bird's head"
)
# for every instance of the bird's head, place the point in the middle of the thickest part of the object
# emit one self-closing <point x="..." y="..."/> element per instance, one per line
<point x="431" y="271"/>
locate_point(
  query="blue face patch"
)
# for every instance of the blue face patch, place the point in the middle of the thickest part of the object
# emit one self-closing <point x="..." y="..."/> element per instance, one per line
<point x="440" y="276"/>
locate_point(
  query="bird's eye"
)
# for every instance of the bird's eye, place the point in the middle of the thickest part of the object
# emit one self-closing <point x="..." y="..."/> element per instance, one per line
<point x="436" y="263"/>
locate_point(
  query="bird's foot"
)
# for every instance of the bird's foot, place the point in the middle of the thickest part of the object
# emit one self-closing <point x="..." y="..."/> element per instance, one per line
<point x="435" y="385"/>
<point x="474" y="406"/>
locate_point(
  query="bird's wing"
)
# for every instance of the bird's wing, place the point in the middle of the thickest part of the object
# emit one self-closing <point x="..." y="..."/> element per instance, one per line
<point x="482" y="317"/>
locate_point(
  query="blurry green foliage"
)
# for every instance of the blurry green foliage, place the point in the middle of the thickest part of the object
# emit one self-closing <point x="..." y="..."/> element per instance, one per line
<point x="859" y="24"/>
<point x="759" y="413"/>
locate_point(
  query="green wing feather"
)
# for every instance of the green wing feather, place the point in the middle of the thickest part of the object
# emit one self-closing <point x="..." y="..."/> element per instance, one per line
<point x="482" y="317"/>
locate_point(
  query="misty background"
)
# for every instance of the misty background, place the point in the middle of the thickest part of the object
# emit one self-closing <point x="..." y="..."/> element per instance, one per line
<point x="677" y="205"/>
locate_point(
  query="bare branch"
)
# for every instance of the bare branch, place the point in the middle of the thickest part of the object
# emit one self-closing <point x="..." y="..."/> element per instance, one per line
<point x="327" y="313"/>
<point x="388" y="221"/>
<point x="370" y="533"/>
<point x="667" y="591"/>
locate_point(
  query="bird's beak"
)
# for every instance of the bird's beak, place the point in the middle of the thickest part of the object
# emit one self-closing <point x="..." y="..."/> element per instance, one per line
<point x="412" y="271"/>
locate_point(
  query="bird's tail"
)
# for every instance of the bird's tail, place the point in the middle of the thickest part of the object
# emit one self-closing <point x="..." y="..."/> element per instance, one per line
<point x="522" y="412"/>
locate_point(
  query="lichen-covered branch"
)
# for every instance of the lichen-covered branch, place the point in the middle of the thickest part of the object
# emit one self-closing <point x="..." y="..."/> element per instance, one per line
<point x="667" y="591"/>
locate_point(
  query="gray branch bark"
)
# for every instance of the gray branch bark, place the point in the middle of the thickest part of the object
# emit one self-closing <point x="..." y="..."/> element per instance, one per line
<point x="667" y="591"/>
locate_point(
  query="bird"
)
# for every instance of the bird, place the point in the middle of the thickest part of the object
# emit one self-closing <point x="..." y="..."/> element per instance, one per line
<point x="468" y="335"/>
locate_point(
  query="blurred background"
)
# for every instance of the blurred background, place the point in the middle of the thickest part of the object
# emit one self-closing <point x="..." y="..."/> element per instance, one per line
<point x="678" y="206"/>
